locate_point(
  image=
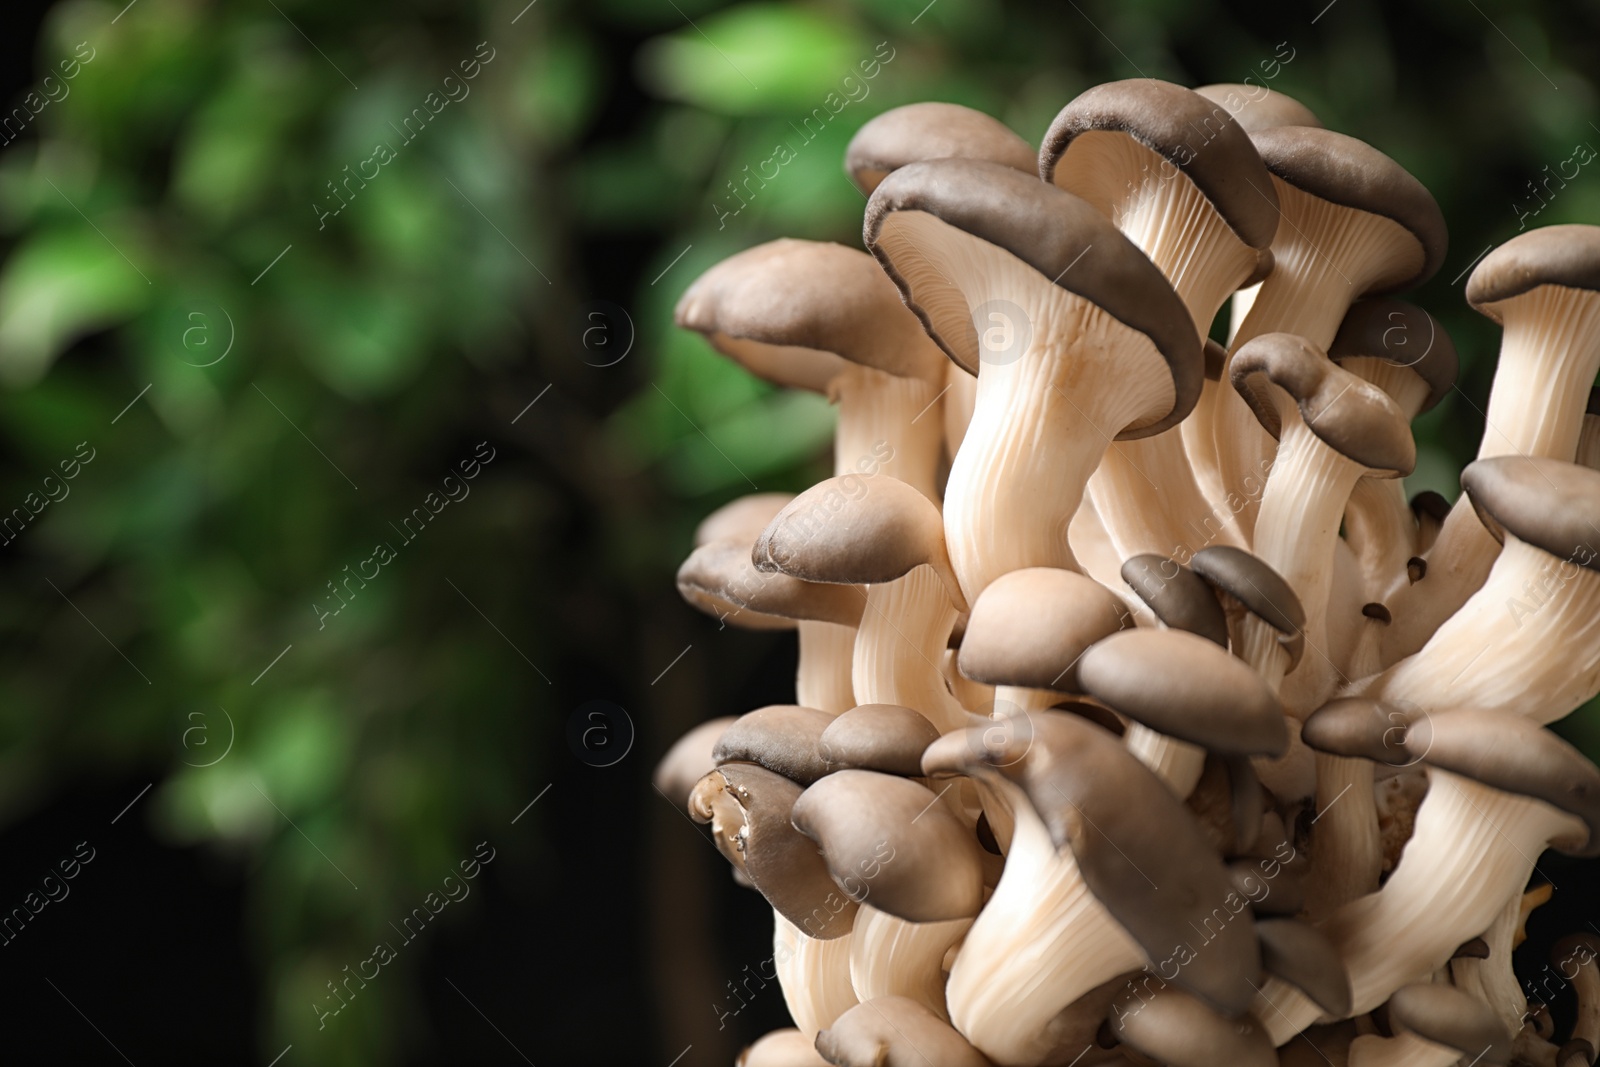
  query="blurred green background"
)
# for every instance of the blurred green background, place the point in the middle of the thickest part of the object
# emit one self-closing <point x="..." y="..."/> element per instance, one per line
<point x="277" y="341"/>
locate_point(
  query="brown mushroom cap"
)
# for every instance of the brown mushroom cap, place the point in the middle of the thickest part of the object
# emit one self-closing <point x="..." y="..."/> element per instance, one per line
<point x="888" y="842"/>
<point x="856" y="530"/>
<point x="1258" y="587"/>
<point x="1353" y="417"/>
<point x="1029" y="627"/>
<point x="1552" y="505"/>
<point x="722" y="573"/>
<point x="1567" y="255"/>
<point x="1302" y="955"/>
<point x="895" y="1032"/>
<point x="1404" y="335"/>
<point x="1514" y="755"/>
<point x="878" y="737"/>
<point x="1049" y="230"/>
<point x="1255" y="107"/>
<point x="1451" y="1017"/>
<point x="1193" y="134"/>
<point x="1139" y="850"/>
<point x="1181" y="599"/>
<point x="1184" y="686"/>
<point x="799" y="313"/>
<point x="783" y="738"/>
<point x="931" y="130"/>
<point x="781" y="1048"/>
<point x="1173" y="1027"/>
<point x="748" y="808"/>
<point x="1353" y="174"/>
<point x="689" y="760"/>
<point x="742" y="519"/>
<point x="1357" y="728"/>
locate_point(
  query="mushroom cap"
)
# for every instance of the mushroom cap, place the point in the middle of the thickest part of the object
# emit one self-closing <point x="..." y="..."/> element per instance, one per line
<point x="889" y="842"/>
<point x="1173" y="1027"/>
<point x="783" y="738"/>
<point x="1262" y="591"/>
<point x="887" y="738"/>
<point x="722" y="572"/>
<point x="1351" y="173"/>
<point x="1139" y="850"/>
<point x="895" y="1032"/>
<point x="1431" y="505"/>
<point x="1029" y="628"/>
<point x="1255" y="107"/>
<point x="1049" y="230"/>
<point x="1451" y="1017"/>
<point x="1514" y="755"/>
<point x="781" y="1048"/>
<point x="1357" y="728"/>
<point x="1547" y="503"/>
<point x="1303" y="956"/>
<point x="1566" y="255"/>
<point x="1195" y="135"/>
<point x="1404" y="335"/>
<point x="742" y="519"/>
<point x="852" y="530"/>
<point x="1184" y="686"/>
<point x="1352" y="416"/>
<point x="931" y="130"/>
<point x="799" y="313"/>
<point x="689" y="760"/>
<point x="748" y="808"/>
<point x="1181" y="599"/>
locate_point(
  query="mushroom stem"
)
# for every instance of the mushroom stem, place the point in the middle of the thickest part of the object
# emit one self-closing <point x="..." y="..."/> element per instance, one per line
<point x="1178" y="763"/>
<point x="900" y="644"/>
<point x="1477" y="660"/>
<point x="892" y="957"/>
<point x="1470" y="852"/>
<point x="885" y="427"/>
<point x="1543" y="366"/>
<point x="1347" y="850"/>
<point x="1404" y="1050"/>
<point x="1382" y="531"/>
<point x="1491" y="979"/>
<point x="1041" y="942"/>
<point x="1149" y="501"/>
<point x="823" y="676"/>
<point x="814" y="976"/>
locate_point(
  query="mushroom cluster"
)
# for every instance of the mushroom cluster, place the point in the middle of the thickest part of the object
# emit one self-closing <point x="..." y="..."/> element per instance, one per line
<point x="1140" y="717"/>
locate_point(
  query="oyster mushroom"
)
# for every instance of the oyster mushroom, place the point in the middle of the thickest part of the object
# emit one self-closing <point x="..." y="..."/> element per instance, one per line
<point x="1100" y="347"/>
<point x="1435" y="1026"/>
<point x="895" y="1032"/>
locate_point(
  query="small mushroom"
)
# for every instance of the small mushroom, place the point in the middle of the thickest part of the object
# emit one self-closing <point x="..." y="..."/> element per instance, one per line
<point x="1543" y="288"/>
<point x="1097" y="345"/>
<point x="1178" y="1028"/>
<point x="1576" y="955"/>
<point x="1435" y="1026"/>
<point x="884" y="534"/>
<point x="1088" y="891"/>
<point x="783" y="738"/>
<point x="878" y="737"/>
<point x="1179" y="598"/>
<point x="781" y="1048"/>
<point x="688" y="760"/>
<point x="1347" y="846"/>
<point x="1184" y="696"/>
<point x="895" y="1032"/>
<point x="915" y="870"/>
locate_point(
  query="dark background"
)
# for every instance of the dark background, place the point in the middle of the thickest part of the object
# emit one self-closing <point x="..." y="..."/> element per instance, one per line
<point x="456" y="289"/>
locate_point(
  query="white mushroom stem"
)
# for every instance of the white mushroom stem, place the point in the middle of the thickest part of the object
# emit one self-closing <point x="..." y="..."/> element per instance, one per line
<point x="969" y="694"/>
<point x="1296" y="535"/>
<point x="1528" y="641"/>
<point x="1041" y="423"/>
<point x="900" y="645"/>
<point x="1382" y="531"/>
<point x="890" y="957"/>
<point x="887" y="425"/>
<point x="1090" y="543"/>
<point x="1492" y="980"/>
<point x="1016" y="699"/>
<point x="1041" y="942"/>
<point x="1325" y="258"/>
<point x="1178" y="763"/>
<point x="1347" y="849"/>
<point x="814" y="976"/>
<point x="823" y="677"/>
<point x="957" y="406"/>
<point x="1473" y="849"/>
<point x="1548" y="361"/>
<point x="1586" y="984"/>
<point x="1405" y="1050"/>
<point x="1148" y="500"/>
